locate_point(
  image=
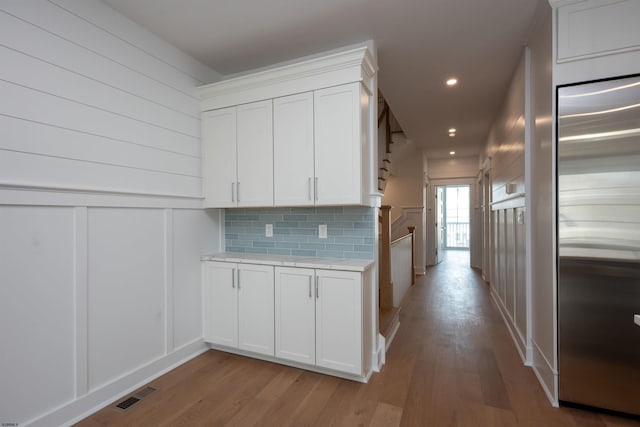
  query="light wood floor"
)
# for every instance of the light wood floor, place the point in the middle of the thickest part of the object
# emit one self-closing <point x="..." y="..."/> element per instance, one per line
<point x="452" y="363"/>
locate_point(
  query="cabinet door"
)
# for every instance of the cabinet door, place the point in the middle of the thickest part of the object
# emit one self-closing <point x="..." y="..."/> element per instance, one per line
<point x="339" y="321"/>
<point x="295" y="315"/>
<point x="255" y="308"/>
<point x="337" y="145"/>
<point x="293" y="173"/>
<point x="255" y="154"/>
<point x="219" y="166"/>
<point x="220" y="303"/>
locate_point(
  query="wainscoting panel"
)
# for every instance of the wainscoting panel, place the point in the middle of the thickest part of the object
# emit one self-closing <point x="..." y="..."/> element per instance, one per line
<point x="37" y="304"/>
<point x="126" y="287"/>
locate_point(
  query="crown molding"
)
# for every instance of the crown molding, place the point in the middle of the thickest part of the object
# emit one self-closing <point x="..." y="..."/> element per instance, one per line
<point x="331" y="70"/>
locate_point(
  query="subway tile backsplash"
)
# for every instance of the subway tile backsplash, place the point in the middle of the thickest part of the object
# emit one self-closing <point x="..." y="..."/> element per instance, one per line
<point x="350" y="231"/>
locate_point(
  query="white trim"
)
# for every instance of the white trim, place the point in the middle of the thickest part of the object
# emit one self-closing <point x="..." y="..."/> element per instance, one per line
<point x="86" y="405"/>
<point x="516" y="336"/>
<point x="528" y="200"/>
<point x="392" y="335"/>
<point x="314" y="368"/>
<point x="32" y="195"/>
<point x="552" y="373"/>
<point x="168" y="281"/>
<point x="81" y="285"/>
<point x="353" y="65"/>
<point x="378" y="355"/>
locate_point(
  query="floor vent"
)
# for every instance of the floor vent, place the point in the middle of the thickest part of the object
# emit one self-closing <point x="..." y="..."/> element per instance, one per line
<point x="145" y="392"/>
<point x="127" y="403"/>
<point x="130" y="401"/>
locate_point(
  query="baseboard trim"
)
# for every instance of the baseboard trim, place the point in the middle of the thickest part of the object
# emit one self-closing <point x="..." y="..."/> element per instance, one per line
<point x="364" y="378"/>
<point x="392" y="335"/>
<point x="549" y="374"/>
<point x="381" y="353"/>
<point x="97" y="399"/>
<point x="520" y="344"/>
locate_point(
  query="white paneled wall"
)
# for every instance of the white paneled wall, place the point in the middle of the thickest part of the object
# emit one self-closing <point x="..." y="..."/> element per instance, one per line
<point x="521" y="244"/>
<point x="129" y="118"/>
<point x="101" y="225"/>
<point x="506" y="147"/>
<point x="37" y="307"/>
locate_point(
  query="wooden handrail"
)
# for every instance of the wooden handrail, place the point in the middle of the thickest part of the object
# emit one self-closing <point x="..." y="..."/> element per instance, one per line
<point x="385" y="285"/>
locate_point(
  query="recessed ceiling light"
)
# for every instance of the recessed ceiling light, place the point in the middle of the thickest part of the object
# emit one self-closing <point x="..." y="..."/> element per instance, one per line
<point x="452" y="130"/>
<point x="452" y="134"/>
<point x="452" y="81"/>
<point x="452" y="152"/>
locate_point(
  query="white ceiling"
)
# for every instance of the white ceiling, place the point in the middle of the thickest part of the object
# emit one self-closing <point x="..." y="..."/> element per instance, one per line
<point x="420" y="43"/>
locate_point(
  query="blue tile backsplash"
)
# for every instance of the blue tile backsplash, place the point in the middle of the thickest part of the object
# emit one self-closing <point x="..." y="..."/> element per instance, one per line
<point x="350" y="231"/>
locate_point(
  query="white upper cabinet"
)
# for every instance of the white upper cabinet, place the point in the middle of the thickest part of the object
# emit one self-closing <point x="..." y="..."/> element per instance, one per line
<point x="255" y="154"/>
<point x="219" y="142"/>
<point x="302" y="134"/>
<point x="238" y="155"/>
<point x="338" y="150"/>
<point x="293" y="159"/>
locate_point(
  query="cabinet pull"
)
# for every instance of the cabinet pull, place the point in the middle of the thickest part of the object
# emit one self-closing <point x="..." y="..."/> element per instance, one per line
<point x="310" y="279"/>
<point x="233" y="278"/>
<point x="238" y="190"/>
<point x="317" y="291"/>
<point x="309" y="187"/>
<point x="238" y="278"/>
<point x="233" y="191"/>
<point x="316" y="187"/>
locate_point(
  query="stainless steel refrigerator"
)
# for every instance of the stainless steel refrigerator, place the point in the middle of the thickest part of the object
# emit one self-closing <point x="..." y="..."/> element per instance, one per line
<point x="599" y="243"/>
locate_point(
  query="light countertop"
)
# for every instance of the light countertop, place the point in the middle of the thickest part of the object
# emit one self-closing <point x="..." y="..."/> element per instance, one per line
<point x="292" y="261"/>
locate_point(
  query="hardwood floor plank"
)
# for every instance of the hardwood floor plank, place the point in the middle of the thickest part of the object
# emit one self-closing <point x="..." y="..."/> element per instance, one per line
<point x="386" y="415"/>
<point x="453" y="363"/>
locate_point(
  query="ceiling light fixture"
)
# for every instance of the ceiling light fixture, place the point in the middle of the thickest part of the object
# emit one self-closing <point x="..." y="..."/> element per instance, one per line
<point x="452" y="130"/>
<point x="452" y="152"/>
<point x="452" y="81"/>
<point x="452" y="134"/>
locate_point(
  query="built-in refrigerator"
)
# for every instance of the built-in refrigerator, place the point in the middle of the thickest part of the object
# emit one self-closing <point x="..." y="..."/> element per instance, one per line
<point x="598" y="219"/>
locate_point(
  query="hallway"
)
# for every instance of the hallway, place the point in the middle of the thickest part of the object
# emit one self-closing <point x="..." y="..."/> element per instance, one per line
<point x="452" y="364"/>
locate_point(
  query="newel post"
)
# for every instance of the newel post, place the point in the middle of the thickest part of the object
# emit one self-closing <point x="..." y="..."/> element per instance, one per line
<point x="412" y="230"/>
<point x="386" y="286"/>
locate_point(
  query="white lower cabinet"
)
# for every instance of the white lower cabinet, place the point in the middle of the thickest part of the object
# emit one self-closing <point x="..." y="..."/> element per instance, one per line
<point x="238" y="306"/>
<point x="318" y="318"/>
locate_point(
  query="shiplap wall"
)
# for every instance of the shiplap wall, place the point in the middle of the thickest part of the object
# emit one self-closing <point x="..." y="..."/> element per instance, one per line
<point x="100" y="222"/>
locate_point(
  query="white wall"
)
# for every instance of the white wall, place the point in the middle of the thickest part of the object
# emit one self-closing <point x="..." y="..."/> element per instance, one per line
<point x="506" y="148"/>
<point x="453" y="171"/>
<point x="100" y="220"/>
<point x="453" y="168"/>
<point x="404" y="192"/>
<point x="522" y="243"/>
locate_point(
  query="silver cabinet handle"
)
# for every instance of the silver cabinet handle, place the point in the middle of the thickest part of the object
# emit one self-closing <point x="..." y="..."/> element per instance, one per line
<point x="233" y="191"/>
<point x="233" y="278"/>
<point x="317" y="291"/>
<point x="238" y="190"/>
<point x="309" y="187"/>
<point x="238" y="278"/>
<point x="310" y="279"/>
<point x="316" y="188"/>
